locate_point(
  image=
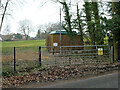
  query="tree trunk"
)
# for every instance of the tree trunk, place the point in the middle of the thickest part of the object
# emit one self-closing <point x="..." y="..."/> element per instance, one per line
<point x="4" y="14"/>
<point x="114" y="36"/>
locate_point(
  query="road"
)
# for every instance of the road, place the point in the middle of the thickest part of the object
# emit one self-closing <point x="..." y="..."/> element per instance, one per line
<point x="105" y="81"/>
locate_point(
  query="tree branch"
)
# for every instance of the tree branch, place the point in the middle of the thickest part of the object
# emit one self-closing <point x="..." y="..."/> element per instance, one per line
<point x="4" y="15"/>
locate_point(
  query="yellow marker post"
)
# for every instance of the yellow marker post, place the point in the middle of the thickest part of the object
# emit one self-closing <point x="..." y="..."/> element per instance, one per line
<point x="100" y="51"/>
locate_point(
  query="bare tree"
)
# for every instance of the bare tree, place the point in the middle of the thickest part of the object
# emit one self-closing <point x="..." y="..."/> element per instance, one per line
<point x="7" y="33"/>
<point x="5" y="6"/>
<point x="5" y="9"/>
<point x="41" y="28"/>
<point x="25" y="27"/>
<point x="7" y="30"/>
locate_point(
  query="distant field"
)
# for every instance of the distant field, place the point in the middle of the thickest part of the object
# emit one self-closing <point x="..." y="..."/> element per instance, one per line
<point x="25" y="50"/>
<point x="26" y="43"/>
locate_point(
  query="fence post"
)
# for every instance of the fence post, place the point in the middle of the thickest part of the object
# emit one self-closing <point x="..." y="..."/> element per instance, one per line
<point x="39" y="56"/>
<point x="112" y="54"/>
<point x="14" y="60"/>
<point x="69" y="60"/>
<point x="97" y="53"/>
<point x="53" y="50"/>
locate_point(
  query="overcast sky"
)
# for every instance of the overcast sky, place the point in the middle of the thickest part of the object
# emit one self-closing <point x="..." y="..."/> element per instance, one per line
<point x="37" y="11"/>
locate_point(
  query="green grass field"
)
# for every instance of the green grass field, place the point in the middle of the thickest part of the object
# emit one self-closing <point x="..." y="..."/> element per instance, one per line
<point x="26" y="43"/>
<point x="28" y="48"/>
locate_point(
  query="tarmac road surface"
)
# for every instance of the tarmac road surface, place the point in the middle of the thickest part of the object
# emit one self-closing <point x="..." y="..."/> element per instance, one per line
<point x="105" y="81"/>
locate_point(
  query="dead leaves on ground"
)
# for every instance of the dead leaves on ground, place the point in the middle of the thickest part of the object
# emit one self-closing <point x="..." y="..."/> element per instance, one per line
<point x="55" y="73"/>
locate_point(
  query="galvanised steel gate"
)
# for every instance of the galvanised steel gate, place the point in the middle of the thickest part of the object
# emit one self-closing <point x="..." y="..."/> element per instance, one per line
<point x="68" y="55"/>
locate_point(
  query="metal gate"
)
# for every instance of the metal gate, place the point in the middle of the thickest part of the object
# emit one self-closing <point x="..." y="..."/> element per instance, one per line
<point x="71" y="55"/>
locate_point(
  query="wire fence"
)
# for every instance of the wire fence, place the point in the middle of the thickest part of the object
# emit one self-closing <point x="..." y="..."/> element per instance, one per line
<point x="27" y="58"/>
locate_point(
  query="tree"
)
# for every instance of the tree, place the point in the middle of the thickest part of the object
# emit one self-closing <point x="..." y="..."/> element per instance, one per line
<point x="89" y="21"/>
<point x="5" y="9"/>
<point x="116" y="29"/>
<point x="78" y="24"/>
<point x="25" y="27"/>
<point x="51" y="27"/>
<point x="113" y="26"/>
<point x="7" y="30"/>
<point x="38" y="34"/>
<point x="99" y="31"/>
<point x="67" y="24"/>
<point x="18" y="36"/>
<point x="95" y="25"/>
<point x="56" y="26"/>
<point x="7" y="33"/>
<point x="5" y="5"/>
